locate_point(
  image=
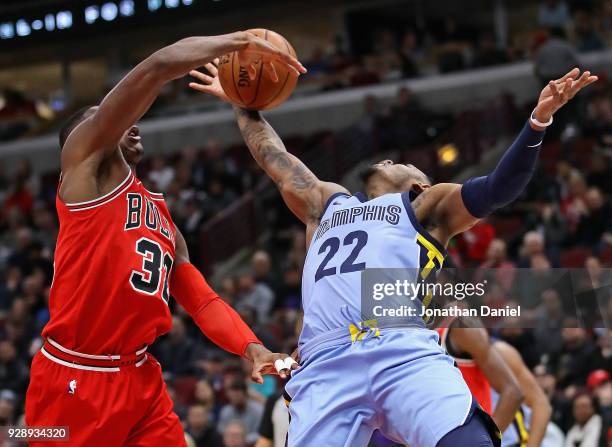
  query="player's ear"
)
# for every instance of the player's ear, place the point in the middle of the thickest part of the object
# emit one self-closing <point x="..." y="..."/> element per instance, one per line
<point x="418" y="187"/>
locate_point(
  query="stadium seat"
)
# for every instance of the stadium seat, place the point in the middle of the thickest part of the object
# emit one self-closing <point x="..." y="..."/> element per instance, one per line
<point x="185" y="389"/>
<point x="606" y="257"/>
<point x="575" y="257"/>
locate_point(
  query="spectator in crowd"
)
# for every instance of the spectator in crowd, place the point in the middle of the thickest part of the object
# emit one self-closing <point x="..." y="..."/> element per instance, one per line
<point x="387" y="56"/>
<point x="240" y="408"/>
<point x="475" y="242"/>
<point x="256" y="296"/>
<point x="363" y="133"/>
<point x="199" y="428"/>
<point x="262" y="268"/>
<point x="554" y="14"/>
<point x="586" y="432"/>
<point x="555" y="57"/>
<point x="587" y="38"/>
<point x="176" y="351"/>
<point x="550" y="313"/>
<point x="234" y="435"/>
<point x="274" y="423"/>
<point x="549" y="318"/>
<point x="487" y="53"/>
<point x="289" y="292"/>
<point x="409" y="55"/>
<point x="13" y="371"/>
<point x="160" y="175"/>
<point x="497" y="260"/>
<point x="595" y="219"/>
<point x="406" y="121"/>
<point x="533" y="245"/>
<point x="451" y="44"/>
<point x="599" y="383"/>
<point x="575" y="360"/>
<point x="8" y="403"/>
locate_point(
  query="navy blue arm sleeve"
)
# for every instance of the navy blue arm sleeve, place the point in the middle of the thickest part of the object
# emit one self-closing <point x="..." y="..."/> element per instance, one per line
<point x="482" y="195"/>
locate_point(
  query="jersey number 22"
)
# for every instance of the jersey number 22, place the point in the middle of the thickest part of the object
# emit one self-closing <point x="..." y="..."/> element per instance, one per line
<point x="332" y="245"/>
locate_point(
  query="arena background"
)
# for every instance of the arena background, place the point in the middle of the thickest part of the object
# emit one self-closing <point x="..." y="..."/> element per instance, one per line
<point x="444" y="85"/>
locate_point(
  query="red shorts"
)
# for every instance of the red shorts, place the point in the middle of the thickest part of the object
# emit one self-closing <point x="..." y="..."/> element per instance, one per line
<point x="103" y="402"/>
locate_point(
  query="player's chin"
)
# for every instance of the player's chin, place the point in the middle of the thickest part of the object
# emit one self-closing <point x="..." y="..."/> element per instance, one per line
<point x="133" y="153"/>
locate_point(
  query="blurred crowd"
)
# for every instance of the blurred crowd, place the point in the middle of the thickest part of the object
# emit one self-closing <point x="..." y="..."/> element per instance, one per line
<point x="552" y="34"/>
<point x="21" y="114"/>
<point x="434" y="46"/>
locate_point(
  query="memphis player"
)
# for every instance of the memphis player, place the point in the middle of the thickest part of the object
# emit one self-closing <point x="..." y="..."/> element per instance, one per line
<point x="118" y="259"/>
<point x="397" y="380"/>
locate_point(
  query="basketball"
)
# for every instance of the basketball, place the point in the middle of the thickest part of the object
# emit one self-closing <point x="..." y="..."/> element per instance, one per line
<point x="260" y="93"/>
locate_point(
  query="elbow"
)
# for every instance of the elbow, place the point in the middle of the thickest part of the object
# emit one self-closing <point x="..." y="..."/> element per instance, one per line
<point x="546" y="408"/>
<point x="515" y="395"/>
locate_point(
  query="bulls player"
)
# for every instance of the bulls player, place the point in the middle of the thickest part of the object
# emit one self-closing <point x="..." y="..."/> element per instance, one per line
<point x="118" y="259"/>
<point x="493" y="370"/>
<point x="482" y="367"/>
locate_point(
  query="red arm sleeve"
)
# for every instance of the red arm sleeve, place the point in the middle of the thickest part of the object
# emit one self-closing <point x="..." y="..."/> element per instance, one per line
<point x="217" y="320"/>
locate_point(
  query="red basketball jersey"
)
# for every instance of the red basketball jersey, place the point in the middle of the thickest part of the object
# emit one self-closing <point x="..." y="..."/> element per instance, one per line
<point x="474" y="377"/>
<point x="113" y="263"/>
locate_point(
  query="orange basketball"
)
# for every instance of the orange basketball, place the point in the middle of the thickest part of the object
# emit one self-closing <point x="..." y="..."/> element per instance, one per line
<point x="260" y="93"/>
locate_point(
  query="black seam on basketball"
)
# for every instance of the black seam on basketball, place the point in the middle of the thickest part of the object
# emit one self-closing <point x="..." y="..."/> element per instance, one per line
<point x="234" y="81"/>
<point x="279" y="91"/>
<point x="259" y="74"/>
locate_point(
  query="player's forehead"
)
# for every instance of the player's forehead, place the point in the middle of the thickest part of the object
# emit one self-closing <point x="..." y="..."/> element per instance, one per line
<point x="407" y="167"/>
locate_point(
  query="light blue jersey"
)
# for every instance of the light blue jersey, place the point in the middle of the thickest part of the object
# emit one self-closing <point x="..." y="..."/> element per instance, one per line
<point x="396" y="379"/>
<point x="355" y="234"/>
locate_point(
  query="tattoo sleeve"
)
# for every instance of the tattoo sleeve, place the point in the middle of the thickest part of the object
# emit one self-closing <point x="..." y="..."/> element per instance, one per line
<point x="296" y="182"/>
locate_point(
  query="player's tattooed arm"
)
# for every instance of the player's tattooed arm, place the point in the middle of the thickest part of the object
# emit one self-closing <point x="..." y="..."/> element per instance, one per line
<point x="302" y="191"/>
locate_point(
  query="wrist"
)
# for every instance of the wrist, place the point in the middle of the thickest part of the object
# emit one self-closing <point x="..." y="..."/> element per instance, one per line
<point x="539" y="120"/>
<point x="254" y="350"/>
<point x="247" y="113"/>
<point x="239" y="39"/>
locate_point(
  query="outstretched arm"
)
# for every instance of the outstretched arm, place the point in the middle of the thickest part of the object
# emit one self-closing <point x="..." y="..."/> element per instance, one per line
<point x="135" y="93"/>
<point x="455" y="208"/>
<point x="302" y="191"/>
<point x="535" y="398"/>
<point x="216" y="319"/>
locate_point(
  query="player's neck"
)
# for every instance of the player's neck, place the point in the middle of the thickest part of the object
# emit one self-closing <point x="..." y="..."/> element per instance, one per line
<point x="385" y="189"/>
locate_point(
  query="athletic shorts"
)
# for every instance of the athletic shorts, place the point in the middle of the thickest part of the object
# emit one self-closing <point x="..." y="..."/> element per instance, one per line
<point x="102" y="403"/>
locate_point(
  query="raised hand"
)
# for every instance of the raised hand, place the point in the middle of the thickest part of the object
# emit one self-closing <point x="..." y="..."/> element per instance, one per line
<point x="209" y="83"/>
<point x="558" y="92"/>
<point x="260" y="50"/>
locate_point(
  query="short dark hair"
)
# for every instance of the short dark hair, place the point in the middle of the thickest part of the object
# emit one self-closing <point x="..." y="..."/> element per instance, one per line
<point x="69" y="125"/>
<point x="368" y="172"/>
